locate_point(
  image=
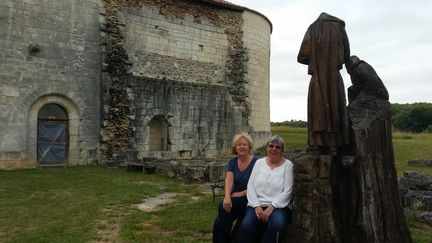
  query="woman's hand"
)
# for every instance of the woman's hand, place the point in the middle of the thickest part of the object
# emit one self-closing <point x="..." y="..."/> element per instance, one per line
<point x="227" y="204"/>
<point x="259" y="212"/>
<point x="266" y="214"/>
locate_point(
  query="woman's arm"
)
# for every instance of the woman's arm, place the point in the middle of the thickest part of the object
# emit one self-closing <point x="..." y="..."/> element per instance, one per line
<point x="229" y="183"/>
<point x="251" y="190"/>
<point x="239" y="194"/>
<point x="285" y="197"/>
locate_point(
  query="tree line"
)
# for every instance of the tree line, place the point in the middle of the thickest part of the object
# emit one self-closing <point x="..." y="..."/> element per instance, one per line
<point x="416" y="117"/>
<point x="291" y="123"/>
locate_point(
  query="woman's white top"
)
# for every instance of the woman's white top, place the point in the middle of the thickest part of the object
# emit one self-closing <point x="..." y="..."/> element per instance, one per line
<point x="270" y="186"/>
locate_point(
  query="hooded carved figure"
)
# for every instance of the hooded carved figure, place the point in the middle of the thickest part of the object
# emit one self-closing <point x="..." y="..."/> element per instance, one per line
<point x="364" y="79"/>
<point x="325" y="48"/>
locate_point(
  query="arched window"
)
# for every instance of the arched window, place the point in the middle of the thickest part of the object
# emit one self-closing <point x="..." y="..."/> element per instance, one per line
<point x="52" y="145"/>
<point x="158" y="139"/>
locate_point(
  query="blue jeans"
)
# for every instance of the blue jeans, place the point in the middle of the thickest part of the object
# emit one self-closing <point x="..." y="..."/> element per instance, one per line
<point x="224" y="221"/>
<point x="276" y="224"/>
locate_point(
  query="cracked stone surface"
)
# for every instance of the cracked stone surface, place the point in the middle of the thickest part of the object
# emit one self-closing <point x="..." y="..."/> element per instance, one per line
<point x="151" y="203"/>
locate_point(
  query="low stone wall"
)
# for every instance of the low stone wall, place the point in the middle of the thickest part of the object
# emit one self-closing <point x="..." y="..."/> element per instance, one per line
<point x="188" y="171"/>
<point x="421" y="162"/>
<point x="416" y="195"/>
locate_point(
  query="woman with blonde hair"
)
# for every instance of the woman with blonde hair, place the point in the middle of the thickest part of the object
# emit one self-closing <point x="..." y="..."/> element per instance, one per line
<point x="269" y="194"/>
<point x="237" y="176"/>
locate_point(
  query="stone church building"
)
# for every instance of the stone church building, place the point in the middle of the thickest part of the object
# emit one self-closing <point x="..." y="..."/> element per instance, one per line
<point x="83" y="81"/>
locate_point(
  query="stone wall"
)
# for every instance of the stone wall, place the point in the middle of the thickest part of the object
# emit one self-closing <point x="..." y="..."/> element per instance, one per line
<point x="188" y="171"/>
<point x="256" y="39"/>
<point x="421" y="162"/>
<point x="164" y="48"/>
<point x="416" y="195"/>
<point x="102" y="60"/>
<point x="49" y="53"/>
<point x="200" y="118"/>
<point x="185" y="49"/>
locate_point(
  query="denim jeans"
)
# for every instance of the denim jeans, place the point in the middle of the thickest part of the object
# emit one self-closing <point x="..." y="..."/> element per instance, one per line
<point x="276" y="224"/>
<point x="224" y="221"/>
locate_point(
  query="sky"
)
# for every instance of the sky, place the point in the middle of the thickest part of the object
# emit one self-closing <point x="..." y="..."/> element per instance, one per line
<point x="393" y="36"/>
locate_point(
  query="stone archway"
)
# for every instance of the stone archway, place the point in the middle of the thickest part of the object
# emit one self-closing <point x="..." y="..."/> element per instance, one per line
<point x="159" y="135"/>
<point x="72" y="122"/>
<point x="52" y="136"/>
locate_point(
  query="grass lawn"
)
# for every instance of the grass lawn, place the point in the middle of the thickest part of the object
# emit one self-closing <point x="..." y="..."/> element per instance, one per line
<point x="98" y="204"/>
<point x="407" y="146"/>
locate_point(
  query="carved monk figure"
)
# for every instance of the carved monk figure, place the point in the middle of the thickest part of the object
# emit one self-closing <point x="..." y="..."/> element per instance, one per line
<point x="325" y="48"/>
<point x="372" y="209"/>
<point x="364" y="79"/>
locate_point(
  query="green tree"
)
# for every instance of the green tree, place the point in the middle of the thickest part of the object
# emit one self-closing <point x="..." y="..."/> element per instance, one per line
<point x="428" y="129"/>
<point x="415" y="117"/>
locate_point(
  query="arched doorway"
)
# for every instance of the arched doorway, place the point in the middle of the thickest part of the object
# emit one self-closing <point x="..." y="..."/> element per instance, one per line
<point x="52" y="135"/>
<point x="159" y="139"/>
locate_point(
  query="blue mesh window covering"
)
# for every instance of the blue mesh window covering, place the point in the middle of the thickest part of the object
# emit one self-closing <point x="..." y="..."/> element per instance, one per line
<point x="52" y="142"/>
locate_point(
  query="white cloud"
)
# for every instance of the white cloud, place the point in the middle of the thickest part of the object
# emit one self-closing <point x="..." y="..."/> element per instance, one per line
<point x="394" y="36"/>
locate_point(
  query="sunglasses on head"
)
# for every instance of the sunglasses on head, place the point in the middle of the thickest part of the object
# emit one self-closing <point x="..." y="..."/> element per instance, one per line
<point x="274" y="146"/>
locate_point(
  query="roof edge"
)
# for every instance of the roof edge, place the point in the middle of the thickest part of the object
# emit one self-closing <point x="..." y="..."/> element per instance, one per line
<point x="262" y="15"/>
<point x="232" y="6"/>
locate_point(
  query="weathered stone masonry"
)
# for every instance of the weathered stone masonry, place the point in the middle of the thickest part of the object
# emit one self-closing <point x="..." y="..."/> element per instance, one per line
<point x="141" y="78"/>
<point x="49" y="54"/>
<point x="200" y="116"/>
<point x="159" y="42"/>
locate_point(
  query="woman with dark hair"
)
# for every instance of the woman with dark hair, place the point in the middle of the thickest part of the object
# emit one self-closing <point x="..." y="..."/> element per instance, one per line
<point x="237" y="176"/>
<point x="269" y="195"/>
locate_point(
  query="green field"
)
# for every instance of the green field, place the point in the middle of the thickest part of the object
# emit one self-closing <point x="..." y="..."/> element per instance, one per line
<point x="98" y="204"/>
<point x="406" y="146"/>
